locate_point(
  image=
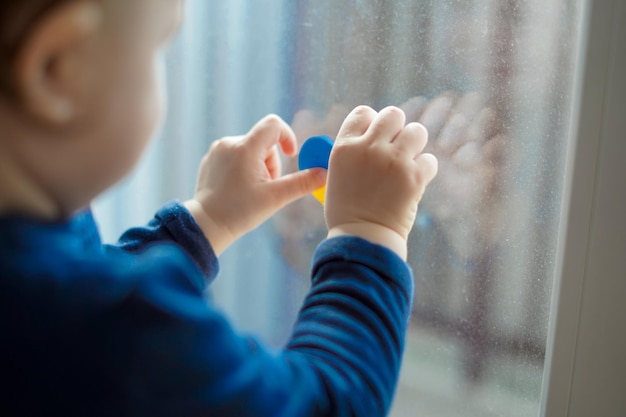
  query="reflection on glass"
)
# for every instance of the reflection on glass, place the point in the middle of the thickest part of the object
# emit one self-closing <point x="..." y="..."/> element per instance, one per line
<point x="491" y="80"/>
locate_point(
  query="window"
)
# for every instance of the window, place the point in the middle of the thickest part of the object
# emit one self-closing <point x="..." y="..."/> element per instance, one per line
<point x="494" y="81"/>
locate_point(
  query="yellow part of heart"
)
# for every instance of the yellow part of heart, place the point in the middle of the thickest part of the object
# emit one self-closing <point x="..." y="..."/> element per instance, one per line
<point x="320" y="194"/>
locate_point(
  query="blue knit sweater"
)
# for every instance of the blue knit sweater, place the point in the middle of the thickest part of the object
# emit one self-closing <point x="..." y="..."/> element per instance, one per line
<point x="97" y="330"/>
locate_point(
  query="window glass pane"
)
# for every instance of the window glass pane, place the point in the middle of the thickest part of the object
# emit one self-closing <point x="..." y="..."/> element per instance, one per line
<point x="492" y="80"/>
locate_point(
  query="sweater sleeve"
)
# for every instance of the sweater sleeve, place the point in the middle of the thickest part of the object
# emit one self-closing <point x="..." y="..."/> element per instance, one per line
<point x="173" y="224"/>
<point x="353" y="323"/>
<point x="342" y="360"/>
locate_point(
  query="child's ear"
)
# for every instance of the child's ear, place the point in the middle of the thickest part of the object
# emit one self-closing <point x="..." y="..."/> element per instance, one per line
<point x="45" y="69"/>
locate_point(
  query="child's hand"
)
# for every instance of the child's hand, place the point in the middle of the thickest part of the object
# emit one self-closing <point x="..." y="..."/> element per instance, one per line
<point x="240" y="183"/>
<point x="377" y="175"/>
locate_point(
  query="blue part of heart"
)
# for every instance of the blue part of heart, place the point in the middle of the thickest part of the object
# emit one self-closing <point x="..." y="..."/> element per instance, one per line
<point x="315" y="152"/>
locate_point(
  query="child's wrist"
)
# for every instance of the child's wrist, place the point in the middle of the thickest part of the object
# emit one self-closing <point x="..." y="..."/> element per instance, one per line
<point x="219" y="237"/>
<point x="374" y="233"/>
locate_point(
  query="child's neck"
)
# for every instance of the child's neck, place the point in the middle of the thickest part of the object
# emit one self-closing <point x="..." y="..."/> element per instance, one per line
<point x="20" y="194"/>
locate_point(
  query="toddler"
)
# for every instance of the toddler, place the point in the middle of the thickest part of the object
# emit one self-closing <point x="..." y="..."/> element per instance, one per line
<point x="123" y="330"/>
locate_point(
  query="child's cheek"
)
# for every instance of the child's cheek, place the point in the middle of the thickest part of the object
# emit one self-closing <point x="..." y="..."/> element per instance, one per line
<point x="151" y="100"/>
<point x="140" y="110"/>
<point x="160" y="90"/>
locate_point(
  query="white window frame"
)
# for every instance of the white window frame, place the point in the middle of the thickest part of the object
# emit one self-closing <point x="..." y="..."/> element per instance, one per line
<point x="585" y="369"/>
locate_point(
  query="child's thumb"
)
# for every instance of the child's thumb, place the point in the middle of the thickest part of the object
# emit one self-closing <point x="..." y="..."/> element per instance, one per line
<point x="294" y="186"/>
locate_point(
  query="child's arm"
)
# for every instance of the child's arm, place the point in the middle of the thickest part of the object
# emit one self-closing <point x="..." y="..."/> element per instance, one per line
<point x="240" y="183"/>
<point x="345" y="352"/>
<point x="176" y="355"/>
<point x="172" y="224"/>
<point x="239" y="186"/>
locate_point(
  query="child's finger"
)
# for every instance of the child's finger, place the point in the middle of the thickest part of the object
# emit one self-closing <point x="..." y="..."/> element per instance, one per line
<point x="272" y="130"/>
<point x="273" y="163"/>
<point x="412" y="140"/>
<point x="289" y="188"/>
<point x="427" y="167"/>
<point x="387" y="125"/>
<point x="356" y="123"/>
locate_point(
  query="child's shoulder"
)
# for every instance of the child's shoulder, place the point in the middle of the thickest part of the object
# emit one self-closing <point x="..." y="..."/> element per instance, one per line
<point x="66" y="264"/>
